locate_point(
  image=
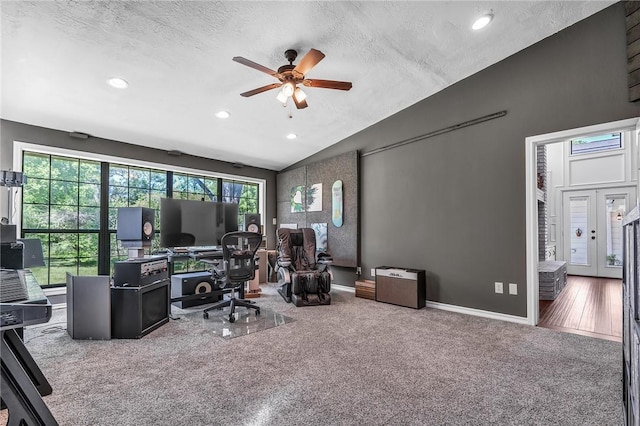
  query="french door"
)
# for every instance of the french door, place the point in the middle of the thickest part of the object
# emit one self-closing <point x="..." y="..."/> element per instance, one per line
<point x="592" y="222"/>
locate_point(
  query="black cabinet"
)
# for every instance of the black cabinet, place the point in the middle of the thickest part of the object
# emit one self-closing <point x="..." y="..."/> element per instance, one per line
<point x="631" y="319"/>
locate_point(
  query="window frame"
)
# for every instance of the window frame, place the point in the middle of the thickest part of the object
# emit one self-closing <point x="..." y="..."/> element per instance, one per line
<point x="20" y="148"/>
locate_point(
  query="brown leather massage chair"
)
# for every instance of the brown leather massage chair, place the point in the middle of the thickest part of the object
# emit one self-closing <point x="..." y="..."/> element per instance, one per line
<point x="304" y="276"/>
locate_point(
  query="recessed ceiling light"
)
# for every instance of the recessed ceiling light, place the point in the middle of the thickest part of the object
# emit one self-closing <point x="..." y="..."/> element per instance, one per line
<point x="292" y="136"/>
<point x="118" y="83"/>
<point x="482" y="21"/>
<point x="223" y="114"/>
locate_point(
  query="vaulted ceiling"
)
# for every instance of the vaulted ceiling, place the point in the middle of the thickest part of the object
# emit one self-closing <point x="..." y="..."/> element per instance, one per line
<point x="177" y="58"/>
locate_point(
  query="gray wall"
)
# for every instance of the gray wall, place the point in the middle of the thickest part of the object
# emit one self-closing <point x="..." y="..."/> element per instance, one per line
<point x="342" y="242"/>
<point x="11" y="131"/>
<point x="455" y="204"/>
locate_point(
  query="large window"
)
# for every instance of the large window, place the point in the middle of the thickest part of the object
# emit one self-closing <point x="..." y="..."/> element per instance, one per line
<point x="61" y="207"/>
<point x="66" y="199"/>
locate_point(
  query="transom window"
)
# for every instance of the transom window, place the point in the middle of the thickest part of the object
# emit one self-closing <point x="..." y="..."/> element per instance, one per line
<point x="598" y="143"/>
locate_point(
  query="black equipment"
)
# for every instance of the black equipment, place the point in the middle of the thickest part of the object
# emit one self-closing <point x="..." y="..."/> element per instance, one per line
<point x="89" y="307"/>
<point x="11" y="255"/>
<point x="7" y="233"/>
<point x="22" y="383"/>
<point x="200" y="285"/>
<point x="21" y="254"/>
<point x="252" y="222"/>
<point x="239" y="252"/>
<point x="135" y="226"/>
<point x="140" y="272"/>
<point x="137" y="311"/>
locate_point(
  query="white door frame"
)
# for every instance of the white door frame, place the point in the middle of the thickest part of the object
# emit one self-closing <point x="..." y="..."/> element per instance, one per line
<point x="531" y="205"/>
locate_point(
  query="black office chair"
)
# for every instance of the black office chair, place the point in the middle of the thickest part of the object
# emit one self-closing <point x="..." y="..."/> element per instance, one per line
<point x="239" y="251"/>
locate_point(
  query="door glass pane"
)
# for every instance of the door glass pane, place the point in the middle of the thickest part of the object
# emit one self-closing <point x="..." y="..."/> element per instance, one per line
<point x="579" y="233"/>
<point x="615" y="211"/>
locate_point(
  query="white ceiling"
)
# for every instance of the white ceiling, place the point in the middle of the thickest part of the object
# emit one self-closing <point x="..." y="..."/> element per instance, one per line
<point x="176" y="56"/>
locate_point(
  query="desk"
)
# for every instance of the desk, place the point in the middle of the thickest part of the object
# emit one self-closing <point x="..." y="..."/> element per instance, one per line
<point x="22" y="383"/>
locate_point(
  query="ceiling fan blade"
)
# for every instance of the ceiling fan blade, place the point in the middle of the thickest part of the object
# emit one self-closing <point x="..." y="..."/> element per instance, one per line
<point x="300" y="105"/>
<point x="328" y="84"/>
<point x="260" y="89"/>
<point x="251" y="64"/>
<point x="308" y="61"/>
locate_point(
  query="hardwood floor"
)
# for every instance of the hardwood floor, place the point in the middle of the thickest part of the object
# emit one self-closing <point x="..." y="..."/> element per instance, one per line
<point x="588" y="306"/>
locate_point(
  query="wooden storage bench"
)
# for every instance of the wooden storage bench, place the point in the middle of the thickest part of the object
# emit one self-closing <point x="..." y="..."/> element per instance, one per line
<point x="366" y="289"/>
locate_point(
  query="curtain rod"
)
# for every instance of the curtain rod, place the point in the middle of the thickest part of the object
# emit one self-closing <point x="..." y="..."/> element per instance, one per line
<point x="438" y="132"/>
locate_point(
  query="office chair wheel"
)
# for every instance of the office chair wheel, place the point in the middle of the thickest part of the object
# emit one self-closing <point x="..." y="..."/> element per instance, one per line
<point x="205" y="315"/>
<point x="232" y="318"/>
<point x="257" y="312"/>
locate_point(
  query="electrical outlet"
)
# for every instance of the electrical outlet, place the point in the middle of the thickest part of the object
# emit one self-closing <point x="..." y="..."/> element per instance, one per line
<point x="275" y="221"/>
<point x="373" y="272"/>
<point x="499" y="288"/>
<point x="359" y="270"/>
<point x="513" y="288"/>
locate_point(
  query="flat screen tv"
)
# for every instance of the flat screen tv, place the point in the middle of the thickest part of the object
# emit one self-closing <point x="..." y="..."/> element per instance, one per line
<point x="191" y="223"/>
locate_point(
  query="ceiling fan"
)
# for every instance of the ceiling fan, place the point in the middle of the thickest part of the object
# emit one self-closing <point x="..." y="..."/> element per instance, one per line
<point x="292" y="75"/>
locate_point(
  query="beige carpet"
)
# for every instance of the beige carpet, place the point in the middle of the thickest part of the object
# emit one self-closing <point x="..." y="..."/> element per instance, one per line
<point x="355" y="362"/>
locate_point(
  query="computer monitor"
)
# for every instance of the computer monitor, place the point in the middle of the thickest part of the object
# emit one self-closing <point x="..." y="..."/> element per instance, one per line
<point x="189" y="223"/>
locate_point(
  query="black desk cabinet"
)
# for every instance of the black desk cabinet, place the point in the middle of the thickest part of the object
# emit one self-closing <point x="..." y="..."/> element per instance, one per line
<point x="631" y="318"/>
<point x="404" y="287"/>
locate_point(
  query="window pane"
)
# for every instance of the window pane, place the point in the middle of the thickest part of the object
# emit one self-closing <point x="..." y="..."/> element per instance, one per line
<point x="64" y="168"/>
<point x="36" y="191"/>
<point x="89" y="218"/>
<point x="579" y="235"/>
<point x="616" y="210"/>
<point x="64" y="192"/>
<point x="118" y="196"/>
<point x="58" y="269"/>
<point x="158" y="180"/>
<point x="138" y="197"/>
<point x="64" y="246"/>
<point x="138" y="178"/>
<point x="88" y="245"/>
<point x="88" y="266"/>
<point x="64" y="217"/>
<point x="89" y="172"/>
<point x="35" y="166"/>
<point x="180" y="183"/>
<point x="35" y="216"/>
<point x="118" y="175"/>
<point x="113" y="218"/>
<point x="89" y="194"/>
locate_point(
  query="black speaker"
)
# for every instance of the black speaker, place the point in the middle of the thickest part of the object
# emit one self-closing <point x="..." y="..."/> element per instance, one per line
<point x="190" y="284"/>
<point x="136" y="224"/>
<point x="252" y="222"/>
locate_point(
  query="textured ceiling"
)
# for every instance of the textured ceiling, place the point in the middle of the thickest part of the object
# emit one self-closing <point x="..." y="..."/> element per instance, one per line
<point x="176" y="56"/>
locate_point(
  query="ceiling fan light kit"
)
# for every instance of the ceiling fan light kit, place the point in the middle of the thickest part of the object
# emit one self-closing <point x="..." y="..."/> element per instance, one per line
<point x="291" y="75"/>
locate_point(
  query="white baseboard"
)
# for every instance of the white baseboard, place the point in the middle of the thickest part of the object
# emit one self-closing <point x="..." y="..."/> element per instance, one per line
<point x="343" y="288"/>
<point x="477" y="312"/>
